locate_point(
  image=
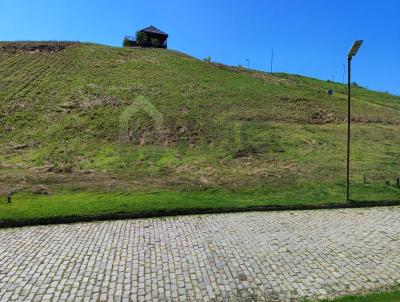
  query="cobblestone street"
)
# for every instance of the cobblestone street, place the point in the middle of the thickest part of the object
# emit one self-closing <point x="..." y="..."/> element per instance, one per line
<point x="282" y="256"/>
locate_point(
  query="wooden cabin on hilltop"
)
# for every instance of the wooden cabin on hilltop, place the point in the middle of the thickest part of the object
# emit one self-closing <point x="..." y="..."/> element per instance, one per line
<point x="147" y="37"/>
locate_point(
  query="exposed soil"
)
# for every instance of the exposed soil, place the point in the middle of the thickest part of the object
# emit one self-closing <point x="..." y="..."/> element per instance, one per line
<point x="253" y="73"/>
<point x="322" y="117"/>
<point x="35" y="47"/>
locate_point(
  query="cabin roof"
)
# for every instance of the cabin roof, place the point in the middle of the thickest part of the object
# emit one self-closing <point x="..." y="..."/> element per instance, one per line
<point x="153" y="30"/>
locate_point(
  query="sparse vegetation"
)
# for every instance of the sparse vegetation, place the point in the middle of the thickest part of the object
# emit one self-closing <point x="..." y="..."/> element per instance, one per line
<point x="193" y="129"/>
<point x="141" y="39"/>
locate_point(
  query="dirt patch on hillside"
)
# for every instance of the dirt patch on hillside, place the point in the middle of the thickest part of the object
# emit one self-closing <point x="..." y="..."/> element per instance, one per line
<point x="255" y="74"/>
<point x="322" y="117"/>
<point x="35" y="47"/>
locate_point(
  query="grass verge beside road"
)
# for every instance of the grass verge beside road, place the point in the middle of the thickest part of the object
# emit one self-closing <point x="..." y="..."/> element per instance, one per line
<point x="389" y="296"/>
<point x="71" y="206"/>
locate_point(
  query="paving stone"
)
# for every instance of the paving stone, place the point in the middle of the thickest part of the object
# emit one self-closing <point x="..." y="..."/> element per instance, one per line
<point x="269" y="256"/>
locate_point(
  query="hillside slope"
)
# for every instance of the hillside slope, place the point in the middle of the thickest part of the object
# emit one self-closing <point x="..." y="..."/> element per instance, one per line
<point x="91" y="117"/>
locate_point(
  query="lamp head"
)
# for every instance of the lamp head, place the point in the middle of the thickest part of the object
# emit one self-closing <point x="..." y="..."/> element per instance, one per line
<point x="354" y="49"/>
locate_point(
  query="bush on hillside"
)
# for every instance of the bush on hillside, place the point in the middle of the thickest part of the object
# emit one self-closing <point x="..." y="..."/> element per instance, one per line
<point x="208" y="59"/>
<point x="141" y="39"/>
<point x="126" y="42"/>
<point x="155" y="42"/>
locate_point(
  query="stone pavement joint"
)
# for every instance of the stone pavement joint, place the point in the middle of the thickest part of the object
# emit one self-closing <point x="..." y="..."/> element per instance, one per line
<point x="263" y="256"/>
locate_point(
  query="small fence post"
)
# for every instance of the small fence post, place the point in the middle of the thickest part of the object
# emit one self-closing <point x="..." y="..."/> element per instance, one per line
<point x="398" y="182"/>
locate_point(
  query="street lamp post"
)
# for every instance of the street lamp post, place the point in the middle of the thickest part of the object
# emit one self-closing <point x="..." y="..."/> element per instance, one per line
<point x="272" y="59"/>
<point x="353" y="51"/>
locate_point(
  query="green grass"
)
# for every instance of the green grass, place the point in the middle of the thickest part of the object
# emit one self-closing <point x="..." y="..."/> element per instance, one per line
<point x="389" y="296"/>
<point x="98" y="119"/>
<point x="26" y="206"/>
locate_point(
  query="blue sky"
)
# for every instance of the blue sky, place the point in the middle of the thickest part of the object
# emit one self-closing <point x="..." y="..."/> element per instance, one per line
<point x="309" y="37"/>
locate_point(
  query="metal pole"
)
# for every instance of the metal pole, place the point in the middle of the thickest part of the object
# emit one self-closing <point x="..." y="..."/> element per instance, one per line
<point x="272" y="59"/>
<point x="348" y="130"/>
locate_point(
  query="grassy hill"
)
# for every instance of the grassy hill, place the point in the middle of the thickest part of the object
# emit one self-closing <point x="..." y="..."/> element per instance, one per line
<point x="89" y="119"/>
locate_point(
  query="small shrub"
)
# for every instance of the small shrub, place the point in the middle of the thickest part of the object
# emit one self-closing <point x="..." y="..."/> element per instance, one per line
<point x="141" y="39"/>
<point x="208" y="59"/>
<point x="155" y="43"/>
<point x="126" y="42"/>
